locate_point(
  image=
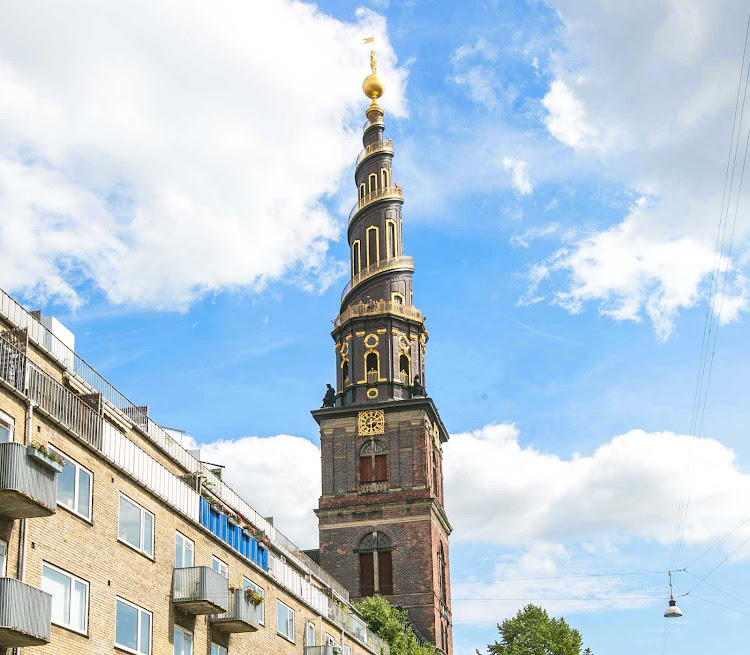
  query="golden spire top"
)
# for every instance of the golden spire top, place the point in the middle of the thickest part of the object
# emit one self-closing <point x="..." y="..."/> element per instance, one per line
<point x="372" y="86"/>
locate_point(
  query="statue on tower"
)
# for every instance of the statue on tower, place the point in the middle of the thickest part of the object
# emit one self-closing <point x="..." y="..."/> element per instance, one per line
<point x="416" y="388"/>
<point x="329" y="400"/>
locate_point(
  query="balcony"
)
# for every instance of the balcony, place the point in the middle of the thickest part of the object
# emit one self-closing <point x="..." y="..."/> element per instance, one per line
<point x="25" y="614"/>
<point x="385" y="193"/>
<point x="371" y="149"/>
<point x="200" y="590"/>
<point x="28" y="488"/>
<point x="378" y="486"/>
<point x="322" y="650"/>
<point x="242" y="615"/>
<point x="377" y="307"/>
<point x="372" y="377"/>
<point x="390" y="264"/>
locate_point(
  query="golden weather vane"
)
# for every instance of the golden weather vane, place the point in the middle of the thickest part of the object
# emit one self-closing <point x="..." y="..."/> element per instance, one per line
<point x="372" y="86"/>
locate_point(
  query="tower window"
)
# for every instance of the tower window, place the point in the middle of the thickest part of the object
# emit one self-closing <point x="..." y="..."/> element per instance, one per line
<point x="345" y="374"/>
<point x="441" y="573"/>
<point x="376" y="565"/>
<point x="362" y="191"/>
<point x="385" y="177"/>
<point x="373" y="248"/>
<point x="403" y="369"/>
<point x="372" y="366"/>
<point x="356" y="258"/>
<point x="390" y="246"/>
<point x="435" y="474"/>
<point x="373" y="182"/>
<point x="373" y="462"/>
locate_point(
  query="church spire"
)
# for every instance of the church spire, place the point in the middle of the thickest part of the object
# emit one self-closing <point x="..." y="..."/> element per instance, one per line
<point x="380" y="335"/>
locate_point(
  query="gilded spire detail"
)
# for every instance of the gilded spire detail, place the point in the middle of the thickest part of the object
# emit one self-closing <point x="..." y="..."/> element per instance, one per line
<point x="372" y="86"/>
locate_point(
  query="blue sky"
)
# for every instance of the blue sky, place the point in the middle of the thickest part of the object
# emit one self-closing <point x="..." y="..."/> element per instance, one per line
<point x="180" y="205"/>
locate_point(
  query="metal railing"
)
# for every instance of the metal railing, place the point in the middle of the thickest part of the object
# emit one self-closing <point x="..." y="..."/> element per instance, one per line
<point x="357" y="628"/>
<point x="373" y="487"/>
<point x="377" y="121"/>
<point x="25" y="614"/>
<point x="389" y="264"/>
<point x="12" y="366"/>
<point x="378" y="146"/>
<point x="322" y="650"/>
<point x="372" y="377"/>
<point x="27" y="487"/>
<point x="241" y="615"/>
<point x="403" y="377"/>
<point x="377" y="307"/>
<point x="395" y="192"/>
<point x="200" y="590"/>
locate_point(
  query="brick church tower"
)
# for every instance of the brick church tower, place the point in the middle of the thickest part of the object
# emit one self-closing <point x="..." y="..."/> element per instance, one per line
<point x="383" y="527"/>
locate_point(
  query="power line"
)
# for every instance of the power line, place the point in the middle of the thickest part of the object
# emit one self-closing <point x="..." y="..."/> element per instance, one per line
<point x="588" y="600"/>
<point x="718" y="565"/>
<point x="731" y="609"/>
<point x="727" y="535"/>
<point x="559" y="577"/>
<point x="726" y="593"/>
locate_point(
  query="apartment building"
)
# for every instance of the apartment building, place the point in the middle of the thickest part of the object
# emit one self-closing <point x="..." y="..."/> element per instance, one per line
<point x="114" y="538"/>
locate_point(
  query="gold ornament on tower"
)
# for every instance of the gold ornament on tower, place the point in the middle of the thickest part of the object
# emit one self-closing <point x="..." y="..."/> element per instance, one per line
<point x="372" y="86"/>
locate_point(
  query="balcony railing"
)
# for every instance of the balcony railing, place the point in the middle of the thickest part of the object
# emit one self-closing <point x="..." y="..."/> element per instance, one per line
<point x="373" y="487"/>
<point x="372" y="377"/>
<point x="356" y="627"/>
<point x="322" y="650"/>
<point x="242" y="615"/>
<point x="377" y="307"/>
<point x="25" y="614"/>
<point x="200" y="590"/>
<point x="378" y="146"/>
<point x="384" y="193"/>
<point x="28" y="488"/>
<point x="403" y="377"/>
<point x="390" y="264"/>
<point x="378" y="120"/>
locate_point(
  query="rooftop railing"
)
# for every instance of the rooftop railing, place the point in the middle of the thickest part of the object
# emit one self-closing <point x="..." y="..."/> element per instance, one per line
<point x="389" y="264"/>
<point x="378" y="146"/>
<point x="377" y="307"/>
<point x="384" y="193"/>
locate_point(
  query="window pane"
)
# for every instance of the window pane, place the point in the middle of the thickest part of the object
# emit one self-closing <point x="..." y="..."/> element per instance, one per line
<point x="177" y="641"/>
<point x="130" y="523"/>
<point x="3" y="557"/>
<point x="66" y="481"/>
<point x="78" y="606"/>
<point x="178" y="563"/>
<point x="145" y="633"/>
<point x="281" y="618"/>
<point x="4" y="432"/>
<point x="58" y="585"/>
<point x="188" y="650"/>
<point x="84" y="492"/>
<point x="126" y="626"/>
<point x="148" y="534"/>
<point x="188" y="553"/>
<point x="214" y="649"/>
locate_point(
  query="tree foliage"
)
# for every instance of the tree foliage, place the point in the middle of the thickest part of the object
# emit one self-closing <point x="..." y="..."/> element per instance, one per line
<point x="392" y="626"/>
<point x="533" y="632"/>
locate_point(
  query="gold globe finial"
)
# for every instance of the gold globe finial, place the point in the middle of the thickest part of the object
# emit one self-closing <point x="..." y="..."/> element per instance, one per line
<point x="372" y="86"/>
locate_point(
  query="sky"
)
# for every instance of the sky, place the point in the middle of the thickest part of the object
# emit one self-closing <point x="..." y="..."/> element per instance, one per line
<point x="175" y="179"/>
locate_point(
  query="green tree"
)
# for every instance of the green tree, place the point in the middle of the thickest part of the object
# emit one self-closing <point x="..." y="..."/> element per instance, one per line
<point x="392" y="626"/>
<point x="533" y="632"/>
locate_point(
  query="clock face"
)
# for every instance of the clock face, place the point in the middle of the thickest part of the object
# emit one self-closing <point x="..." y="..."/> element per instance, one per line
<point x="370" y="422"/>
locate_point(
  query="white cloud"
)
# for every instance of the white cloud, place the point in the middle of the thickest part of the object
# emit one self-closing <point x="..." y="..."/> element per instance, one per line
<point x="471" y="70"/>
<point x="185" y="155"/>
<point x="639" y="90"/>
<point x="279" y="476"/>
<point x="519" y="171"/>
<point x="500" y="492"/>
<point x="525" y="239"/>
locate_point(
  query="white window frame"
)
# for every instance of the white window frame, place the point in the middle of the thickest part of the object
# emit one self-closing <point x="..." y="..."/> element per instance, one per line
<point x="141" y="611"/>
<point x="77" y="485"/>
<point x="329" y="640"/>
<point x="347" y="650"/>
<point x="281" y="607"/>
<point x="185" y="541"/>
<point x="184" y="632"/>
<point x="222" y="564"/>
<point x="9" y="422"/>
<point x="249" y="584"/>
<point x="220" y="650"/>
<point x="310" y="630"/>
<point x="144" y="511"/>
<point x="73" y="580"/>
<point x="3" y="557"/>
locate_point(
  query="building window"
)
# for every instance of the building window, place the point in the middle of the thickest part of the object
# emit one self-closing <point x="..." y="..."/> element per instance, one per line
<point x="219" y="566"/>
<point x="74" y="487"/>
<point x="441" y="572"/>
<point x="372" y="366"/>
<point x="184" y="550"/>
<point x="70" y="598"/>
<point x="397" y="298"/>
<point x="356" y="257"/>
<point x="435" y="473"/>
<point x="390" y="239"/>
<point x="132" y="628"/>
<point x="372" y="181"/>
<point x="310" y="634"/>
<point x="373" y="463"/>
<point x="218" y="650"/>
<point x="6" y="427"/>
<point x="183" y="641"/>
<point x="329" y="640"/>
<point x="136" y="526"/>
<point x="246" y="584"/>
<point x="347" y="650"/>
<point x="375" y="565"/>
<point x="3" y="557"/>
<point x="373" y="247"/>
<point x="345" y="373"/>
<point x="404" y="367"/>
<point x="362" y="190"/>
<point x="285" y="621"/>
<point x="385" y="177"/>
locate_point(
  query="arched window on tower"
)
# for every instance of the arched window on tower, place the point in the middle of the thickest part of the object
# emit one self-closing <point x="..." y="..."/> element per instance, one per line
<point x="373" y="247"/>
<point x="435" y="473"/>
<point x="373" y="182"/>
<point x="403" y="369"/>
<point x="372" y="366"/>
<point x="345" y="374"/>
<point x="441" y="573"/>
<point x="375" y="565"/>
<point x="385" y="177"/>
<point x="356" y="258"/>
<point x="362" y="190"/>
<point x="373" y="462"/>
<point x="390" y="245"/>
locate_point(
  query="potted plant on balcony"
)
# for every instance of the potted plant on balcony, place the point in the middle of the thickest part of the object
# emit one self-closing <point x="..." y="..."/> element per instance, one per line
<point x="232" y="518"/>
<point x="44" y="456"/>
<point x="253" y="597"/>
